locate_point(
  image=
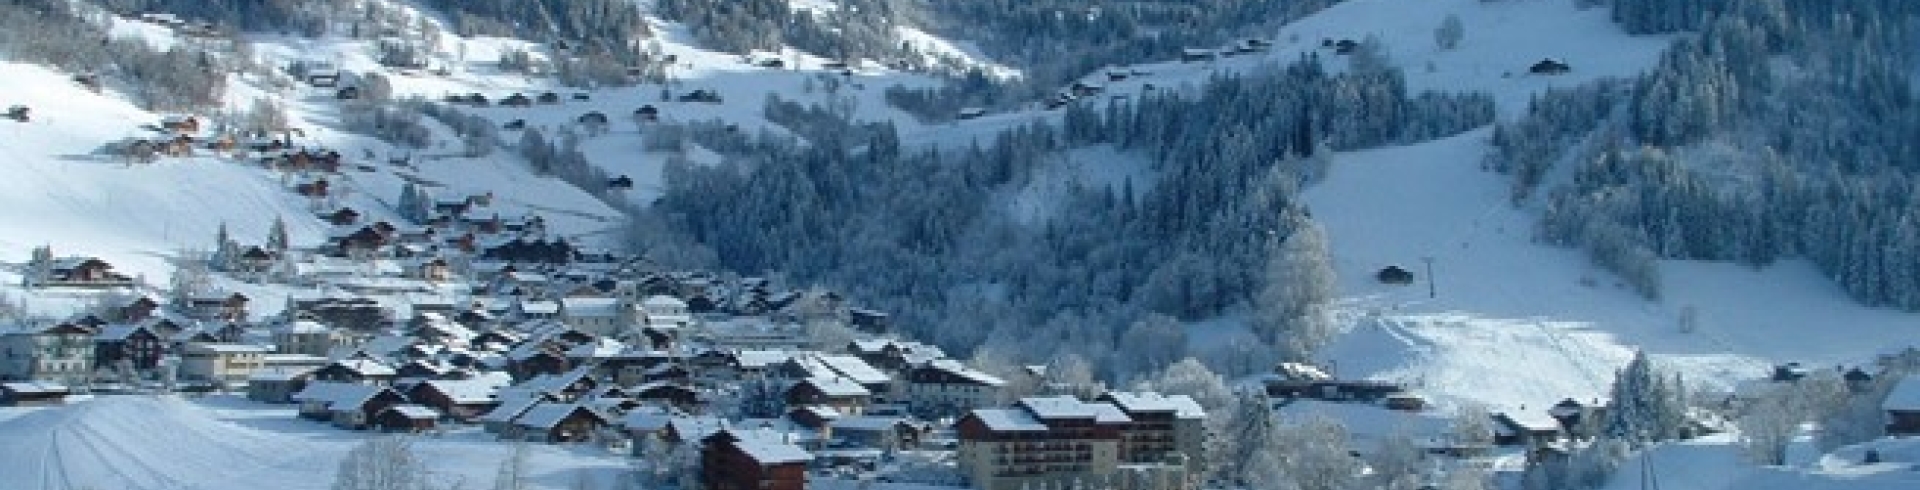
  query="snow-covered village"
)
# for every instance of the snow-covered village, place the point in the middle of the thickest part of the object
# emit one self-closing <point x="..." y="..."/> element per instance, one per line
<point x="951" y="245"/>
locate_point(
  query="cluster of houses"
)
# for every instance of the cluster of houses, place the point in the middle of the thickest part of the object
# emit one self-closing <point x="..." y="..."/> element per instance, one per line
<point x="551" y="343"/>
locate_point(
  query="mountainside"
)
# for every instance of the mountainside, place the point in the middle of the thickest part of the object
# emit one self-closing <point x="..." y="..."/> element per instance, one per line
<point x="1725" y="185"/>
<point x="78" y="199"/>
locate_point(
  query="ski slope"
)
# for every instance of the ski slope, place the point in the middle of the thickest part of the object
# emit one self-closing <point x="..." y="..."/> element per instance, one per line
<point x="1518" y="323"/>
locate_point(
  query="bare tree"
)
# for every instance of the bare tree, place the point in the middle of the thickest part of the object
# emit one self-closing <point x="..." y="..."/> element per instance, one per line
<point x="384" y="463"/>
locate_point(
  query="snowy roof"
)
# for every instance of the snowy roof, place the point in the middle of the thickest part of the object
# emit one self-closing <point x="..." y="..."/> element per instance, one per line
<point x="602" y="348"/>
<point x="511" y="409"/>
<point x="540" y="307"/>
<point x="855" y="369"/>
<point x="304" y="327"/>
<point x="230" y="348"/>
<point x="338" y="396"/>
<point x="1905" y="395"/>
<point x="1532" y="420"/>
<point x="1295" y="371"/>
<point x="478" y="389"/>
<point x="279" y="374"/>
<point x="366" y="367"/>
<point x="34" y="387"/>
<point x="1009" y="420"/>
<point x="119" y="332"/>
<point x="591" y="307"/>
<point x="696" y="428"/>
<point x="646" y="418"/>
<point x="1067" y="407"/>
<point x="548" y="415"/>
<point x="1181" y="406"/>
<point x="761" y="358"/>
<point x="663" y="302"/>
<point x="769" y="447"/>
<point x="838" y="387"/>
<point x="957" y="368"/>
<point x="415" y="412"/>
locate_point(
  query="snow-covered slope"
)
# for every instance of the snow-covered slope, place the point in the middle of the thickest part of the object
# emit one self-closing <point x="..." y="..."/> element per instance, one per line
<point x="59" y="191"/>
<point x="1514" y="322"/>
<point x="155" y="443"/>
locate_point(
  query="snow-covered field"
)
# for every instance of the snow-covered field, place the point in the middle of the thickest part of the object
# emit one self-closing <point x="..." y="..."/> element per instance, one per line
<point x="139" y="442"/>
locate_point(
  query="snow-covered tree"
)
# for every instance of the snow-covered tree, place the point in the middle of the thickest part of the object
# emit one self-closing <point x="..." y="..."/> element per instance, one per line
<point x="1294" y="304"/>
<point x="1191" y="378"/>
<point x="415" y="204"/>
<point x="1070" y="374"/>
<point x="512" y="474"/>
<point x="190" y="280"/>
<point x="382" y="463"/>
<point x="1313" y="454"/>
<point x="1450" y="32"/>
<point x="1149" y="345"/>
<point x="1648" y="406"/>
<point x="225" y="250"/>
<point x="266" y="117"/>
<point x="1397" y="462"/>
<point x="1473" y="426"/>
<point x="39" y="266"/>
<point x="277" y="235"/>
<point x="1241" y="432"/>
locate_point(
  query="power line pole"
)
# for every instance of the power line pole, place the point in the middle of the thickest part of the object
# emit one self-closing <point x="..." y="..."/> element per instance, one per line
<point x="1431" y="292"/>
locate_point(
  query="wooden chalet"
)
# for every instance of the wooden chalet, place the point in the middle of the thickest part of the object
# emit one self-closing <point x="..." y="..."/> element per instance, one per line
<point x="84" y="272"/>
<point x="751" y="460"/>
<point x="135" y="346"/>
<point x="1524" y="428"/>
<point x="347" y="405"/>
<point x="672" y="394"/>
<point x="461" y="399"/>
<point x="1903" y="408"/>
<point x="406" y="418"/>
<point x="556" y="423"/>
<point x="181" y="124"/>
<point x="356" y="370"/>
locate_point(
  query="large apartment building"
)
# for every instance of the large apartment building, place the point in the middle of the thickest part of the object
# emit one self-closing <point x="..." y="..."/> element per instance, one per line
<point x="1061" y="442"/>
<point x="59" y="353"/>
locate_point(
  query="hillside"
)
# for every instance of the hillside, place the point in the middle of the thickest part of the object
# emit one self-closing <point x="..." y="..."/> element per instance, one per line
<point x="1038" y="231"/>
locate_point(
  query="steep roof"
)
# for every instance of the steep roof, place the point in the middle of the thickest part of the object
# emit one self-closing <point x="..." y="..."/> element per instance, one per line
<point x="855" y="369"/>
<point x="768" y="447"/>
<point x="1009" y="420"/>
<point x="481" y="388"/>
<point x="838" y="387"/>
<point x="1181" y="406"/>
<point x="1905" y="396"/>
<point x="415" y="412"/>
<point x="511" y="409"/>
<point x="591" y="307"/>
<point x="339" y="396"/>
<point x="957" y="368"/>
<point x="548" y="415"/>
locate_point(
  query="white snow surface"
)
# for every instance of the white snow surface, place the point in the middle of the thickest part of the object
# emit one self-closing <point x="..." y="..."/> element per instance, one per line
<point x="1518" y="323"/>
<point x="141" y="442"/>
